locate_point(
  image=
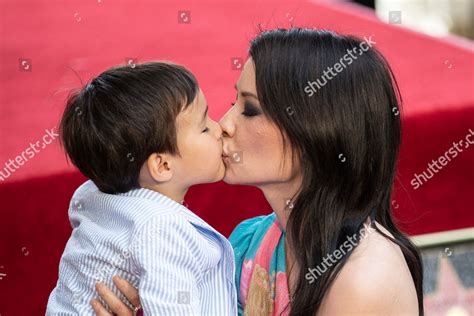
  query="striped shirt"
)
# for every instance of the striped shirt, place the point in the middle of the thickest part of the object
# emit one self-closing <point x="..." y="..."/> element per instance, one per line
<point x="178" y="262"/>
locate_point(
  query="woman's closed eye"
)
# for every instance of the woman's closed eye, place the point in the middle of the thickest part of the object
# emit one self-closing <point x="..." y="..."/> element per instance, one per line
<point x="249" y="109"/>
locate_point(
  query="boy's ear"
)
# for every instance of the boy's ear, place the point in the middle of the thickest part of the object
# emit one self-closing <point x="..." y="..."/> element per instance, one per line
<point x="159" y="167"/>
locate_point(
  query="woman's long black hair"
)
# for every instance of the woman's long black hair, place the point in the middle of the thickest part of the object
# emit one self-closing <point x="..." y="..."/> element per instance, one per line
<point x="346" y="134"/>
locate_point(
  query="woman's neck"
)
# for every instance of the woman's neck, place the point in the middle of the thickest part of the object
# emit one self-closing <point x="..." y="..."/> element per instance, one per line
<point x="281" y="197"/>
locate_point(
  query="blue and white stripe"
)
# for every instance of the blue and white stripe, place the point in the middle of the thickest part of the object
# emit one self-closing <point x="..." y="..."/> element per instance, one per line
<point x="180" y="264"/>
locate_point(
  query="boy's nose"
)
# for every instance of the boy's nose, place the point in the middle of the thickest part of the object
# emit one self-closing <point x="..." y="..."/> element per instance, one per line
<point x="218" y="131"/>
<point x="226" y="126"/>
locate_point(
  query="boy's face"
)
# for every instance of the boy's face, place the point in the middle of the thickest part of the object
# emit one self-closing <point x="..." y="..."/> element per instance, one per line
<point x="200" y="145"/>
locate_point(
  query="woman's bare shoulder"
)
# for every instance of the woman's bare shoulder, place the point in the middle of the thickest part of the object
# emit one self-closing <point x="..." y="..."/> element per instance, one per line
<point x="374" y="281"/>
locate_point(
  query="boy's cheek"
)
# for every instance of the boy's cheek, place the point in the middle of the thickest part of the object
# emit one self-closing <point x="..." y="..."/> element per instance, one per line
<point x="203" y="154"/>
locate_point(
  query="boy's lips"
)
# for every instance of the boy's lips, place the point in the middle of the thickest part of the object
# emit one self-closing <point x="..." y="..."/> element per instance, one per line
<point x="224" y="153"/>
<point x="225" y="157"/>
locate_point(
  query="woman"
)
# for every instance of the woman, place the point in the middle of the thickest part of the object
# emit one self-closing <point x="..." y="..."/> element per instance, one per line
<point x="317" y="122"/>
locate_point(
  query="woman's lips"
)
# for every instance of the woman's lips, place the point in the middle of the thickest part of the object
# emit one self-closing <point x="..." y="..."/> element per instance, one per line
<point x="225" y="158"/>
<point x="225" y="155"/>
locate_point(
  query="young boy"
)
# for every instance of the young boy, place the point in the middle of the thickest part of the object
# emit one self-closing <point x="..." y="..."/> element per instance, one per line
<point x="142" y="136"/>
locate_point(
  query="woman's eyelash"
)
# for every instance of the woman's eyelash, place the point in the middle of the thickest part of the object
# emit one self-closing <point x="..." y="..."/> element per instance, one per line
<point x="250" y="110"/>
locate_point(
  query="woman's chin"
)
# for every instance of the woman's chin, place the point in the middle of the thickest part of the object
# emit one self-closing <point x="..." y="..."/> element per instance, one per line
<point x="232" y="176"/>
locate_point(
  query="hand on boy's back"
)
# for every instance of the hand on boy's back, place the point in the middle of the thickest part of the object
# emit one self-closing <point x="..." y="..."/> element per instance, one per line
<point x="118" y="307"/>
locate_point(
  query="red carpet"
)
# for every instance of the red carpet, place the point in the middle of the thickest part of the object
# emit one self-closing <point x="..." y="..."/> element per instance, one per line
<point x="45" y="43"/>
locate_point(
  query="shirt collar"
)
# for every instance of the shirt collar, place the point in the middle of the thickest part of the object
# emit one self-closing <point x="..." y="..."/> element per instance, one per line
<point x="155" y="196"/>
<point x="169" y="203"/>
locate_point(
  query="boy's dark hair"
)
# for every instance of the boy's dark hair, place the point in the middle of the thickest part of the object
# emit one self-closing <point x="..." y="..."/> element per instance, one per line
<point x="112" y="125"/>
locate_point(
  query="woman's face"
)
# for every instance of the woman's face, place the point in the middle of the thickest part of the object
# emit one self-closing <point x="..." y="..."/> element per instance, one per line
<point x="253" y="144"/>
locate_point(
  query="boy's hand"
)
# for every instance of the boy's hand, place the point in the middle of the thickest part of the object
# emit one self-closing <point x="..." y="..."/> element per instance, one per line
<point x="118" y="307"/>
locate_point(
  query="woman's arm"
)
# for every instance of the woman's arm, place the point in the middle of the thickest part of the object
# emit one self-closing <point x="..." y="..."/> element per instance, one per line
<point x="118" y="307"/>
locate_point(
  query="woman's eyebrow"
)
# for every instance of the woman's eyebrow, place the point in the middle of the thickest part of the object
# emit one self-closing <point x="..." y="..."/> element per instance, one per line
<point x="246" y="93"/>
